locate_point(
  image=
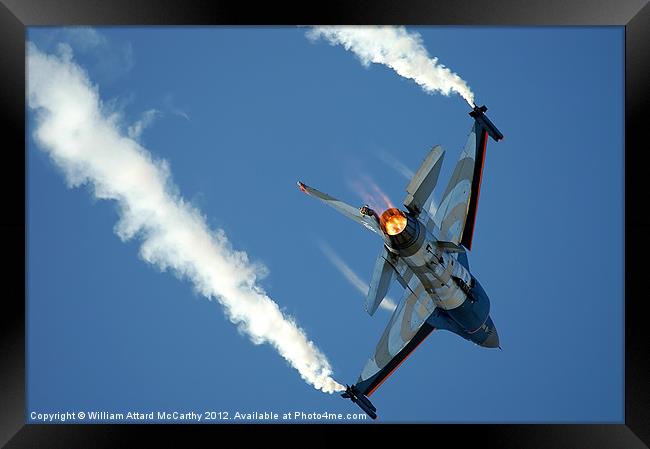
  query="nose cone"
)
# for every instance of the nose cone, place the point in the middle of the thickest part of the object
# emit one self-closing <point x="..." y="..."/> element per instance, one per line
<point x="493" y="339"/>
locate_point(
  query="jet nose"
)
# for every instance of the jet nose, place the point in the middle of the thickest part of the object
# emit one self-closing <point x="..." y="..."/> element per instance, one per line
<point x="492" y="341"/>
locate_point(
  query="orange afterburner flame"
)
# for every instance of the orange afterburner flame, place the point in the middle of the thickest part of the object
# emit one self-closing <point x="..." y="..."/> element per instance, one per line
<point x="392" y="221"/>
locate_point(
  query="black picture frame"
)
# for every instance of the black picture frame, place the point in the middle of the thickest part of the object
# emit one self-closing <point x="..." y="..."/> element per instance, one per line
<point x="16" y="15"/>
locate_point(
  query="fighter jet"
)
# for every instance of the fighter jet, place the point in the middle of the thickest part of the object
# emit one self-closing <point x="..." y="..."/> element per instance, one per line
<point x="427" y="255"/>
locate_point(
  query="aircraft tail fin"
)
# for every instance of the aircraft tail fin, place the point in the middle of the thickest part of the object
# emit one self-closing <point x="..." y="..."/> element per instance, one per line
<point x="424" y="181"/>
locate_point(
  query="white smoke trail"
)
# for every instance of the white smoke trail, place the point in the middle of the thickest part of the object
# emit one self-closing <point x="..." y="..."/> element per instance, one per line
<point x="351" y="276"/>
<point x="90" y="148"/>
<point x="147" y="118"/>
<point x="401" y="51"/>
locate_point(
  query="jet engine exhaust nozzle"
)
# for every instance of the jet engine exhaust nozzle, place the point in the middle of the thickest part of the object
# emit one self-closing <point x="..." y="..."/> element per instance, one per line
<point x="392" y="221"/>
<point x="402" y="230"/>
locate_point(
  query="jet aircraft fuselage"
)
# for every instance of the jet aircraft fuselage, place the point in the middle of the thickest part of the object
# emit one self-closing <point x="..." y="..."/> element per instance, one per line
<point x="425" y="251"/>
<point x="454" y="291"/>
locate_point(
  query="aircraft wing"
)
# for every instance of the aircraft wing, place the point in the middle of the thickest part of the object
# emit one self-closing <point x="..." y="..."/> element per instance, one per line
<point x="406" y="329"/>
<point x="457" y="211"/>
<point x="456" y="214"/>
<point x="347" y="210"/>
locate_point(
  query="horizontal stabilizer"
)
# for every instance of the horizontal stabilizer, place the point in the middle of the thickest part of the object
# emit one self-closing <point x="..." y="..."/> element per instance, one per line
<point x="353" y="213"/>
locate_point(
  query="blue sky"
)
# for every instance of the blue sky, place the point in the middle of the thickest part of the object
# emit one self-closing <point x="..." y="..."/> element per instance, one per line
<point x="245" y="113"/>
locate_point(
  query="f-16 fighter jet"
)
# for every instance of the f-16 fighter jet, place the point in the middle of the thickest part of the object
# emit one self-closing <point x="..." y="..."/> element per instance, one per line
<point x="427" y="256"/>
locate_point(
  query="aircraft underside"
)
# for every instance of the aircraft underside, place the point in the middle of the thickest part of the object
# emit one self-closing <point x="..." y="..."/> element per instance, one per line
<point x="427" y="255"/>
